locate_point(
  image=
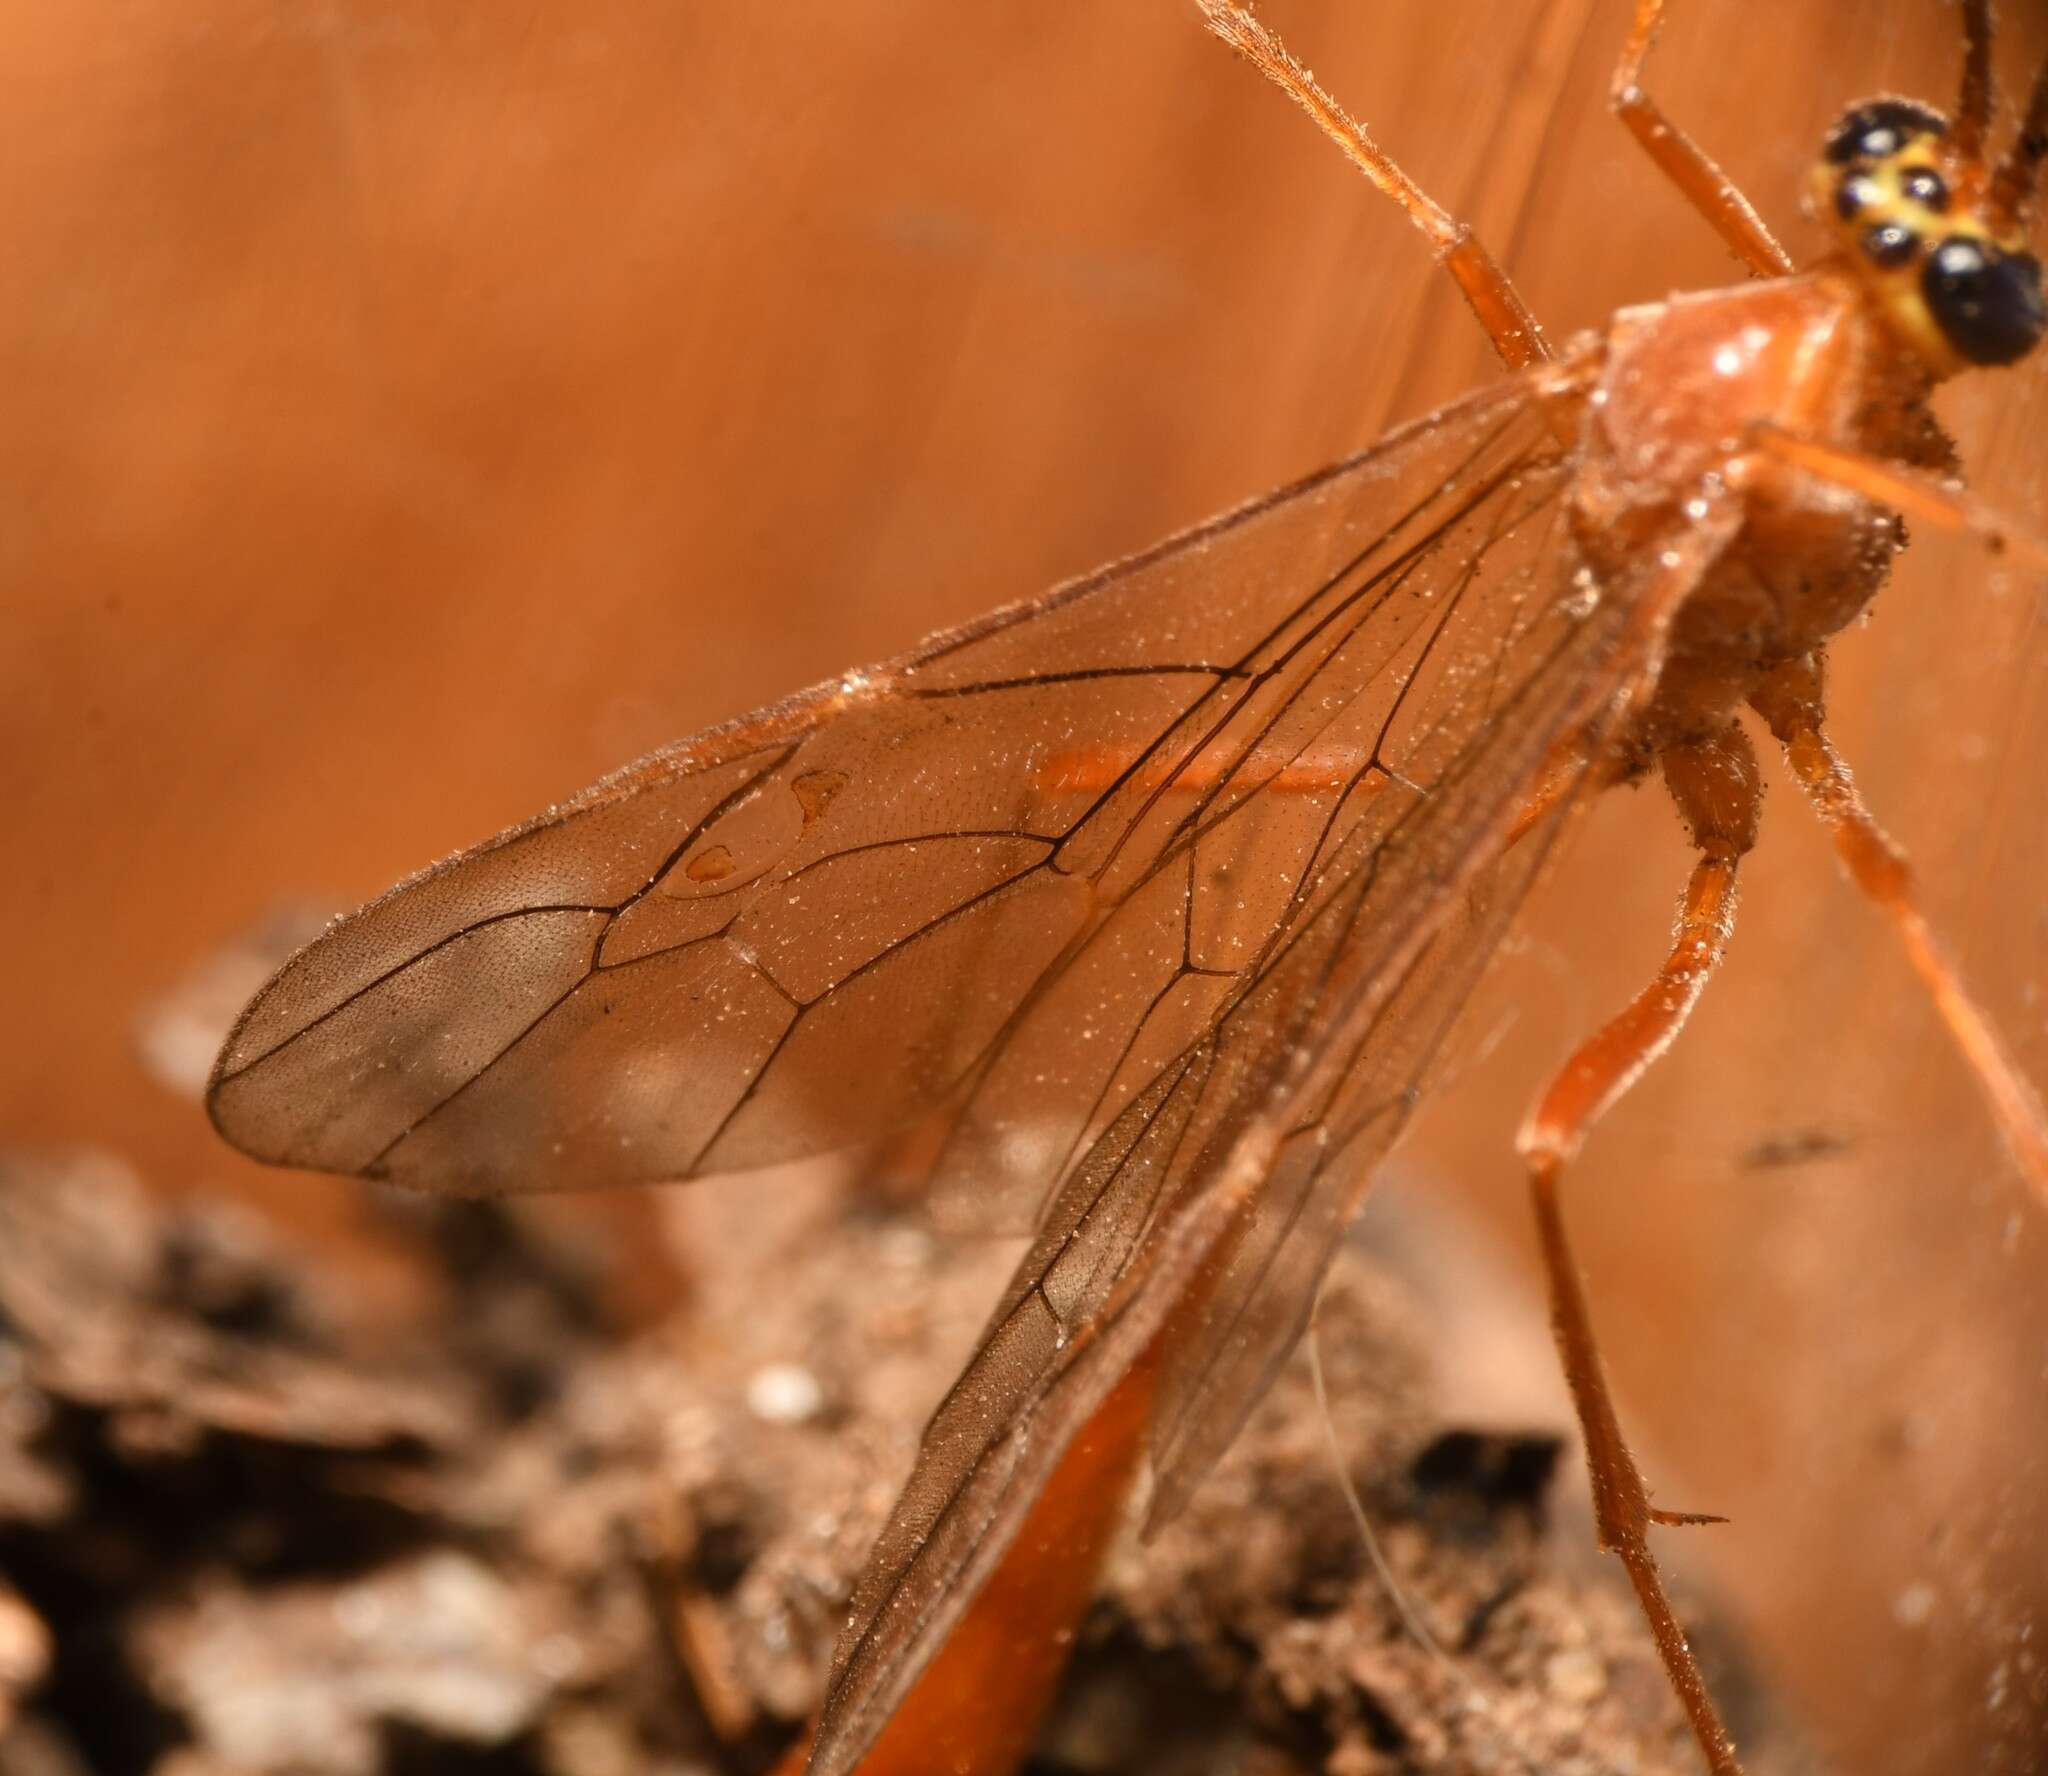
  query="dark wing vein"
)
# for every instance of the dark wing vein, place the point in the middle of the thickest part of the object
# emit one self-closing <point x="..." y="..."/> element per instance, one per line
<point x="1167" y="886"/>
<point x="1201" y="1218"/>
<point x="901" y="886"/>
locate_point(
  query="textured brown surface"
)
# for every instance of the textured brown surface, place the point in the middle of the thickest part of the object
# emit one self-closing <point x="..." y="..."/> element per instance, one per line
<point x="412" y="416"/>
<point x="246" y="1542"/>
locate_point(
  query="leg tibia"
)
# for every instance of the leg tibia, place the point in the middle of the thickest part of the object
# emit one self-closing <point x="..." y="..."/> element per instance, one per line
<point x="1715" y="785"/>
<point x="1681" y="160"/>
<point x="1494" y="299"/>
<point x="1791" y="701"/>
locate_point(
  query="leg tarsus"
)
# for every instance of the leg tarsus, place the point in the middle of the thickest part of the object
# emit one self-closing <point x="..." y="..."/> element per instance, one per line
<point x="1679" y="1664"/>
<point x="1622" y="1511"/>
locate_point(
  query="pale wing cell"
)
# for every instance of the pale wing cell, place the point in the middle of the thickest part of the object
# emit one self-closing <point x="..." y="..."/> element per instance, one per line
<point x="641" y="1057"/>
<point x="383" y="1060"/>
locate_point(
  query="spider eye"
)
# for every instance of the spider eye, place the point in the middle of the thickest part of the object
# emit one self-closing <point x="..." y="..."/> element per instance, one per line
<point x="1882" y="128"/>
<point x="1987" y="304"/>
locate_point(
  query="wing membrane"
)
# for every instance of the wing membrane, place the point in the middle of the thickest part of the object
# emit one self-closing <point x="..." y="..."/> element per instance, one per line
<point x="1202" y="1218"/>
<point x="1019" y="871"/>
<point x="1166" y="889"/>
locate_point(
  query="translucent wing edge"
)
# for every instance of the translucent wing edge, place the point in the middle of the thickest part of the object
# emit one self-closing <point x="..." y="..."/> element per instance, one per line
<point x="793" y="717"/>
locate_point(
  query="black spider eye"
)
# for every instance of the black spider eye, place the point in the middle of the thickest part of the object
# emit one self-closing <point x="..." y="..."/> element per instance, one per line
<point x="1856" y="195"/>
<point x="1891" y="244"/>
<point x="1988" y="305"/>
<point x="1926" y="188"/>
<point x="1870" y="132"/>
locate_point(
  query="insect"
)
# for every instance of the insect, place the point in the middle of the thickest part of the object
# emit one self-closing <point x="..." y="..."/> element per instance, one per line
<point x="1160" y="894"/>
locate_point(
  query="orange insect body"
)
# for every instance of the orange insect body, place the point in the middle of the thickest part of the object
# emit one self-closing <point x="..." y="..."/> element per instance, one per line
<point x="1163" y="891"/>
<point x="1677" y="384"/>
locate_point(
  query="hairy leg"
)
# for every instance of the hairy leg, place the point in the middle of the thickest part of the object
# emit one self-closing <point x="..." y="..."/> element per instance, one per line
<point x="1681" y="160"/>
<point x="1498" y="304"/>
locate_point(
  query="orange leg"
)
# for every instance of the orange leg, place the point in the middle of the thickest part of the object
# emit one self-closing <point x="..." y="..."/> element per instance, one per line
<point x="1973" y="106"/>
<point x="1681" y="160"/>
<point x="1565" y="773"/>
<point x="1495" y="300"/>
<point x="1791" y="700"/>
<point x="1911" y="491"/>
<point x="1716" y="787"/>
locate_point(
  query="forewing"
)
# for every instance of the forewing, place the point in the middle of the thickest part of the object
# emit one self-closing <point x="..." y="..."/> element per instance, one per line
<point x="1021" y="870"/>
<point x="1203" y="1216"/>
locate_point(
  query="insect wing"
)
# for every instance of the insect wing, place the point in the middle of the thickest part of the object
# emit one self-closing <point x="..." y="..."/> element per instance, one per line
<point x="1025" y="866"/>
<point x="1167" y="887"/>
<point x="1201" y="1220"/>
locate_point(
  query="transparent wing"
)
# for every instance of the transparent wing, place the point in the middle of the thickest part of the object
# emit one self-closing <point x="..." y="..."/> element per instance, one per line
<point x="1198" y="1224"/>
<point x="1165" y="889"/>
<point x="1018" y="873"/>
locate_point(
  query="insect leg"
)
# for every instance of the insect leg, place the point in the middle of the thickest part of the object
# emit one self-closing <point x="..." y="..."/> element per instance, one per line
<point x="1716" y="787"/>
<point x="1791" y="700"/>
<point x="1973" y="106"/>
<point x="1911" y="491"/>
<point x="1496" y="301"/>
<point x="1681" y="160"/>
<point x="1566" y="775"/>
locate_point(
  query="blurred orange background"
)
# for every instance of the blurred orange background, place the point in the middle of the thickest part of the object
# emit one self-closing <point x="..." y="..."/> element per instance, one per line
<point x="415" y="411"/>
